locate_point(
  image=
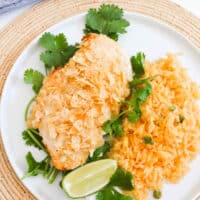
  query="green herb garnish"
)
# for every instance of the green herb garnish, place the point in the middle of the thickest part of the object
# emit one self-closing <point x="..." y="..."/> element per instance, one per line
<point x="32" y="138"/>
<point x="35" y="78"/>
<point x="121" y="179"/>
<point x="113" y="126"/>
<point x="157" y="194"/>
<point x="57" y="50"/>
<point x="181" y="118"/>
<point x="172" y="108"/>
<point x="100" y="153"/>
<point x="137" y="63"/>
<point x="130" y="107"/>
<point x="148" y="140"/>
<point x="27" y="107"/>
<point x="44" y="167"/>
<point x="108" y="20"/>
<point x="110" y="192"/>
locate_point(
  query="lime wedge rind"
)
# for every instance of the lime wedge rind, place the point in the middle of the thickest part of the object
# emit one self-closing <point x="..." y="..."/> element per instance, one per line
<point x="88" y="179"/>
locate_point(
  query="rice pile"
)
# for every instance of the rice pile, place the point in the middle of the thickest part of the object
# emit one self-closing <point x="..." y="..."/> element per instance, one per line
<point x="176" y="143"/>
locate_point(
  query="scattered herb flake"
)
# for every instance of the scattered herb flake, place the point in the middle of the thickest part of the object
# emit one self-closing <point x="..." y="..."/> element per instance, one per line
<point x="172" y="108"/>
<point x="157" y="194"/>
<point x="148" y="140"/>
<point x="181" y="118"/>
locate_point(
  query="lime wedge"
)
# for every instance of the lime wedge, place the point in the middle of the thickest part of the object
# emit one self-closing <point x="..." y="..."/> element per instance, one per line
<point x="89" y="178"/>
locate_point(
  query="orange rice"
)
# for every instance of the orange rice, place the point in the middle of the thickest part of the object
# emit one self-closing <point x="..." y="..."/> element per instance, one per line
<point x="176" y="144"/>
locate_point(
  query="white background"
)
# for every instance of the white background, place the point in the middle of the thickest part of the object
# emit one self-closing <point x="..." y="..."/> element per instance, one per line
<point x="191" y="5"/>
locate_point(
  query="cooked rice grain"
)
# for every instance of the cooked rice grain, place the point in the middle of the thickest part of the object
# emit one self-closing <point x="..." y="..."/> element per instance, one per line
<point x="176" y="144"/>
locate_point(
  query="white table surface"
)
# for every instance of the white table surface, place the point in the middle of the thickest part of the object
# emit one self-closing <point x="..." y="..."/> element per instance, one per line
<point x="191" y="5"/>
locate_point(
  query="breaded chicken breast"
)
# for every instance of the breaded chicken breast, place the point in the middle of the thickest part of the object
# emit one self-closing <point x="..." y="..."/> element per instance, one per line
<point x="76" y="100"/>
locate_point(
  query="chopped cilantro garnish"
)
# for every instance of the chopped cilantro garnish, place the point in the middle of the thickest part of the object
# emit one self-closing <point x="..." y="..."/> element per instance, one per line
<point x="157" y="194"/>
<point x="148" y="140"/>
<point x="108" y="20"/>
<point x="57" y="50"/>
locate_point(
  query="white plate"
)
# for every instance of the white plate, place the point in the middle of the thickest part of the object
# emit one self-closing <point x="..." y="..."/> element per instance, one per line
<point x="144" y="34"/>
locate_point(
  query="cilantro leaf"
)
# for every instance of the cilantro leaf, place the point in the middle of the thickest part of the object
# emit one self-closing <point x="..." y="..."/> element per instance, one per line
<point x="148" y="140"/>
<point x="117" y="127"/>
<point x="133" y="116"/>
<point x="34" y="167"/>
<point x="111" y="193"/>
<point x="57" y="58"/>
<point x="35" y="78"/>
<point x="113" y="126"/>
<point x="108" y="20"/>
<point x="143" y="93"/>
<point x="100" y="152"/>
<point x="32" y="138"/>
<point x="137" y="63"/>
<point x="52" y="42"/>
<point x="43" y="167"/>
<point x="122" y="179"/>
<point x="57" y="51"/>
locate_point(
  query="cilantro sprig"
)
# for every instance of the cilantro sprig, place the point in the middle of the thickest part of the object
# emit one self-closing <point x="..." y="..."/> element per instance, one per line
<point x="32" y="138"/>
<point x="100" y="153"/>
<point x="140" y="89"/>
<point x="114" y="126"/>
<point x="44" y="167"/>
<point x="121" y="179"/>
<point x="57" y="50"/>
<point x="108" y="20"/>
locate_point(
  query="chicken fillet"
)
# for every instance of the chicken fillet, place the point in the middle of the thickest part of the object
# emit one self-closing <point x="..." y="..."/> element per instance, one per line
<point x="77" y="99"/>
